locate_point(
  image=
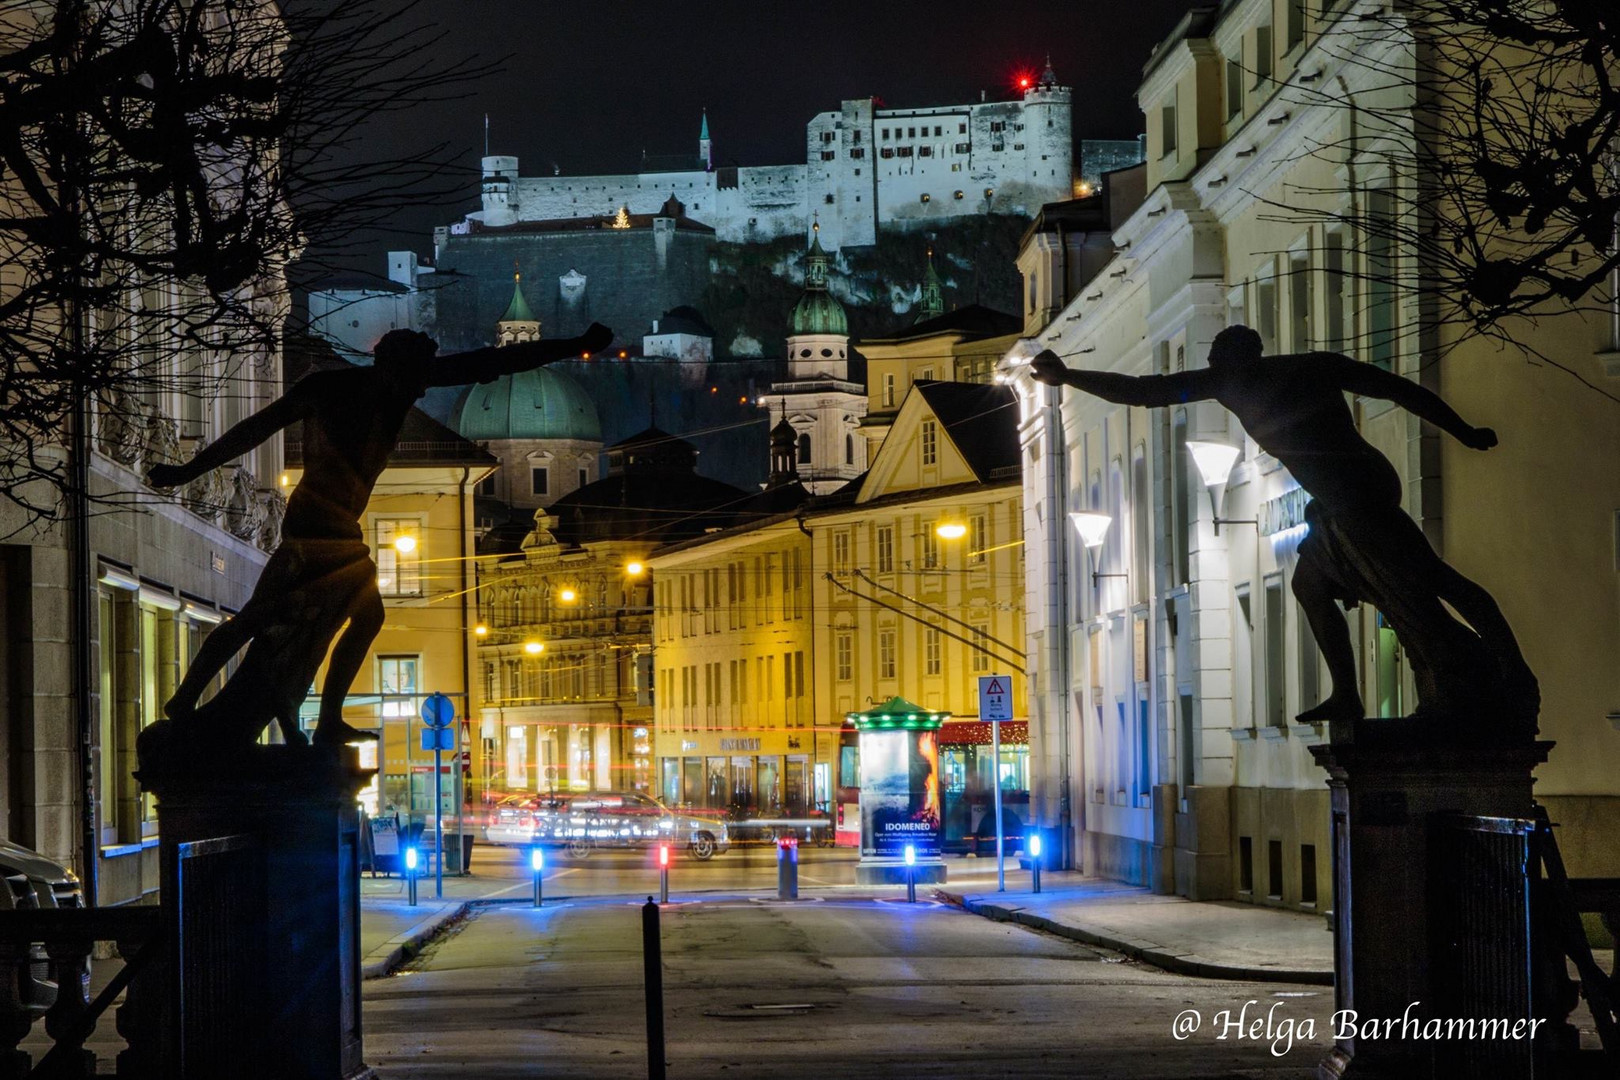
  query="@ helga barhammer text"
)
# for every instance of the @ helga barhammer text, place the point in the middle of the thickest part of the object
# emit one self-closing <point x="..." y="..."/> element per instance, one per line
<point x="1251" y="1023"/>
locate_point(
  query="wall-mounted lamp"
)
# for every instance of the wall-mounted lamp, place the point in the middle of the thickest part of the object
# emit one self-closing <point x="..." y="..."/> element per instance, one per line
<point x="1214" y="461"/>
<point x="1093" y="529"/>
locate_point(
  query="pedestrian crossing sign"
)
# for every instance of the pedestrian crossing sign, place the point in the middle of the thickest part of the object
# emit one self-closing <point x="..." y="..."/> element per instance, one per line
<point x="995" y="698"/>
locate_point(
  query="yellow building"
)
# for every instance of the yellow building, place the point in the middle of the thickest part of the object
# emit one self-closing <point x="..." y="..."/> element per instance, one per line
<point x="419" y="525"/>
<point x="906" y="583"/>
<point x="955" y="346"/>
<point x="564" y="696"/>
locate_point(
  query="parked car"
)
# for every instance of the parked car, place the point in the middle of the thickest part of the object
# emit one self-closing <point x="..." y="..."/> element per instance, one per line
<point x="583" y="821"/>
<point x="34" y="882"/>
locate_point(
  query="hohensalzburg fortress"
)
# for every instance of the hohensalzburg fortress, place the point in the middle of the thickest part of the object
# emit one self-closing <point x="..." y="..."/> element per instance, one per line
<point x="867" y="169"/>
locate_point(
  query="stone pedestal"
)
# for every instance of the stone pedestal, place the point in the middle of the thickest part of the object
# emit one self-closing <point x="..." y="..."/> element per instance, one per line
<point x="261" y="891"/>
<point x="1389" y="780"/>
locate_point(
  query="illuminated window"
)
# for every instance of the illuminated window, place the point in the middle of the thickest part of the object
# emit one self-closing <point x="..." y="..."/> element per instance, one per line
<point x="397" y="683"/>
<point x="977" y="539"/>
<point x="888" y="391"/>
<point x="930" y="547"/>
<point x="930" y="442"/>
<point x="399" y="568"/>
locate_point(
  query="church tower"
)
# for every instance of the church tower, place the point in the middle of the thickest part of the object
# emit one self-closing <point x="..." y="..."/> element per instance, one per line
<point x="519" y="323"/>
<point x="819" y="401"/>
<point x="932" y="304"/>
<point x="705" y="147"/>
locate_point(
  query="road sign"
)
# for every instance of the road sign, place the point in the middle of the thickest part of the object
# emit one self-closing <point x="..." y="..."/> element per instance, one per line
<point x="438" y="711"/>
<point x="995" y="698"/>
<point x="438" y="738"/>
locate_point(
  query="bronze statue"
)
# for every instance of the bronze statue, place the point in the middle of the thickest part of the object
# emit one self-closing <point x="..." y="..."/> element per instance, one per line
<point x="322" y="574"/>
<point x="1361" y="545"/>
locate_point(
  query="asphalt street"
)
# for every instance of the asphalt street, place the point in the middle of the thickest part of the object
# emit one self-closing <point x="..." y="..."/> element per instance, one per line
<point x="842" y="987"/>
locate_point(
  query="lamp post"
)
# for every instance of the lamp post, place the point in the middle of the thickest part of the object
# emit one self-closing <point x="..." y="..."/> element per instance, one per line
<point x="1093" y="529"/>
<point x="1035" y="857"/>
<point x="537" y="863"/>
<point x="411" y="858"/>
<point x="1214" y="461"/>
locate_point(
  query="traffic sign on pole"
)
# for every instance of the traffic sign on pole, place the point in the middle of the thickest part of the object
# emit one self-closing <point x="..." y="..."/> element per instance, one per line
<point x="995" y="708"/>
<point x="438" y="711"/>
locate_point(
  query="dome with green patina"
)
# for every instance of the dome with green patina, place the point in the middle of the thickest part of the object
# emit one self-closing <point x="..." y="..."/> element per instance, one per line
<point x="538" y="404"/>
<point x="817" y="312"/>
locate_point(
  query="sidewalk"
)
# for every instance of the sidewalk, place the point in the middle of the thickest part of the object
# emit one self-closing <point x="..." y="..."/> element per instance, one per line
<point x="1212" y="939"/>
<point x="392" y="931"/>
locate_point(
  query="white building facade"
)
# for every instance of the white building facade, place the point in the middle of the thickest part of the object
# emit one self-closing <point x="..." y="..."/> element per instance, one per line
<point x="1169" y="660"/>
<point x="867" y="169"/>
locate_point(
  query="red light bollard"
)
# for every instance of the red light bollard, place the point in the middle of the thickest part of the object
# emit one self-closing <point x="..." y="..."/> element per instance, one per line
<point x="663" y="873"/>
<point x="787" y="867"/>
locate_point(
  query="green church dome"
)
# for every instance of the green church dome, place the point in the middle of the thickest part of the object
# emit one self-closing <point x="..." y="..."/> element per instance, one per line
<point x="817" y="312"/>
<point x="538" y="404"/>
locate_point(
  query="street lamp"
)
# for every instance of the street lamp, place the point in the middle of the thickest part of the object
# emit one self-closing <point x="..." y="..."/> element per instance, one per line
<point x="1214" y="461"/>
<point x="567" y="596"/>
<point x="634" y="568"/>
<point x="534" y="648"/>
<point x="950" y="530"/>
<point x="405" y="544"/>
<point x="1093" y="529"/>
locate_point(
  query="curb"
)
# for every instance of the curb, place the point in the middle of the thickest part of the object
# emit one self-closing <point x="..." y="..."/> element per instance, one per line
<point x="388" y="956"/>
<point x="1147" y="952"/>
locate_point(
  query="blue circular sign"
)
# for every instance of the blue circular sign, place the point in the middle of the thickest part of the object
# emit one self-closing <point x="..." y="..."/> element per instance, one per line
<point x="438" y="711"/>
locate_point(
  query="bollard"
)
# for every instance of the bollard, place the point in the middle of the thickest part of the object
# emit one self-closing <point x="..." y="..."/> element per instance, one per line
<point x="1035" y="857"/>
<point x="663" y="874"/>
<point x="911" y="873"/>
<point x="537" y="862"/>
<point x="652" y="960"/>
<point x="787" y="867"/>
<point x="410" y="873"/>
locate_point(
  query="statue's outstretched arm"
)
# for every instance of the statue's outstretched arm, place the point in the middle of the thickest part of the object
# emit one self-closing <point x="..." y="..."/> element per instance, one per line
<point x="1145" y="390"/>
<point x="294" y="405"/>
<point x="483" y="365"/>
<point x="1370" y="381"/>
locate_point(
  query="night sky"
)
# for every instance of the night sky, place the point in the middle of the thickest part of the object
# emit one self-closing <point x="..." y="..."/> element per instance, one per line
<point x="589" y="86"/>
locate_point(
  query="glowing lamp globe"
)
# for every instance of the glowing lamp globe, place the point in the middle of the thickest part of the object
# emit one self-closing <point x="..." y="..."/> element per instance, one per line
<point x="534" y="648"/>
<point x="1093" y="527"/>
<point x="405" y="544"/>
<point x="951" y="530"/>
<point x="1214" y="460"/>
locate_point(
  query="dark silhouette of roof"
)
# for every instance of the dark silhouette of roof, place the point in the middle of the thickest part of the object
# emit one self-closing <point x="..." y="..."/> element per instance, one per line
<point x="652" y="493"/>
<point x="684" y="319"/>
<point x="982" y="422"/>
<point x="973" y="322"/>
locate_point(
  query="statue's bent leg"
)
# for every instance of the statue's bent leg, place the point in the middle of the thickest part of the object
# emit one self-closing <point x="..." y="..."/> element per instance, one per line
<point x="1478" y="607"/>
<point x="348" y="655"/>
<point x="1317" y="599"/>
<point x="215" y="652"/>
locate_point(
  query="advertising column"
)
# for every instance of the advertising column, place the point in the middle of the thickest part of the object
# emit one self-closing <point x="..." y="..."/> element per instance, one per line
<point x="900" y="791"/>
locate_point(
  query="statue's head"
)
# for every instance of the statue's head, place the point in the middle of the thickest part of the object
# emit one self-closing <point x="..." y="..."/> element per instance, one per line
<point x="404" y="354"/>
<point x="1234" y="345"/>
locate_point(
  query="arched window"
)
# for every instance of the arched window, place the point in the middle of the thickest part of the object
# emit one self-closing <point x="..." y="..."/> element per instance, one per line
<point x="804" y="449"/>
<point x="849" y="449"/>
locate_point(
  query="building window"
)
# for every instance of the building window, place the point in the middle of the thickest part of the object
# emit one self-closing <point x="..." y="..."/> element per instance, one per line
<point x="858" y="152"/>
<point x="844" y="653"/>
<point x="398" y="550"/>
<point x="885" y="654"/>
<point x="1333" y="269"/>
<point x="398" y="685"/>
<point x="486" y="486"/>
<point x="930" y="547"/>
<point x="1234" y="88"/>
<point x="977" y="539"/>
<point x="1380" y="250"/>
<point x="932" y="661"/>
<point x="1296" y="24"/>
<point x="584" y="477"/>
<point x="840" y="552"/>
<point x="849" y="449"/>
<point x="804" y="448"/>
<point x="930" y="442"/>
<point x="888" y="390"/>
<point x="1299" y="300"/>
<point x="1276" y="680"/>
<point x="1262" y="54"/>
<point x="1167" y="130"/>
<point x="539" y="481"/>
<point x="884" y="541"/>
<point x="981" y="646"/>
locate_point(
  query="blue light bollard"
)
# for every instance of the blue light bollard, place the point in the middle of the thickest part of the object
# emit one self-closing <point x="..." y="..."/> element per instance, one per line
<point x="537" y="863"/>
<point x="911" y="873"/>
<point x="410" y="873"/>
<point x="1035" y="858"/>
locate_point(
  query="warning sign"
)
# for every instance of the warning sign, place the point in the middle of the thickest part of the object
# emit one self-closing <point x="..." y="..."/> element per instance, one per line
<point x="995" y="698"/>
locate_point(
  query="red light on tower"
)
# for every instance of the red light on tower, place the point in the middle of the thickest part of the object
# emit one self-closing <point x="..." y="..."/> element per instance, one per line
<point x="1023" y="82"/>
